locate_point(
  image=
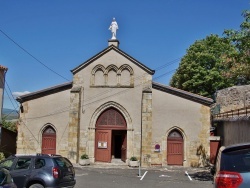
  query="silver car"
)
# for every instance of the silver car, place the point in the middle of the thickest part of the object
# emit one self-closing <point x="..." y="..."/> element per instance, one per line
<point x="232" y="169"/>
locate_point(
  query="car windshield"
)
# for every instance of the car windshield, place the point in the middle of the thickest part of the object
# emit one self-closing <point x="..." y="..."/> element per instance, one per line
<point x="236" y="161"/>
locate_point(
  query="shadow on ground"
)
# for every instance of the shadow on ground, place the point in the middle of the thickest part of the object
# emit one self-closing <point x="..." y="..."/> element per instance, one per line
<point x="202" y="176"/>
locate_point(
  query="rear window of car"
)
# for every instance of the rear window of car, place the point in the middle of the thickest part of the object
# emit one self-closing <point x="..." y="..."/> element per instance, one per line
<point x="62" y="162"/>
<point x="236" y="161"/>
<point x="39" y="163"/>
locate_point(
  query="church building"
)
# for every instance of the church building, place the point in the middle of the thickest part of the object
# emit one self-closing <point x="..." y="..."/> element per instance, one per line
<point x="112" y="109"/>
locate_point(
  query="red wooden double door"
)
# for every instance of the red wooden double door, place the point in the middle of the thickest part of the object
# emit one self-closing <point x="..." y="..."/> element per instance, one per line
<point x="110" y="136"/>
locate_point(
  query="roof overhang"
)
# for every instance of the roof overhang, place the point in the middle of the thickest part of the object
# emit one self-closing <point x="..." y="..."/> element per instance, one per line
<point x="184" y="94"/>
<point x="44" y="92"/>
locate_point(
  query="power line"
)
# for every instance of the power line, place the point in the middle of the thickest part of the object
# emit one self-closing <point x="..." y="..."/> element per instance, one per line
<point x="169" y="63"/>
<point x="11" y="94"/>
<point x="32" y="55"/>
<point x="84" y="105"/>
<point x="4" y="82"/>
<point x="163" y="66"/>
<point x="137" y="78"/>
<point x="164" y="74"/>
<point x="30" y="132"/>
<point x="65" y="109"/>
<point x="121" y="92"/>
<point x="9" y="98"/>
<point x="93" y="97"/>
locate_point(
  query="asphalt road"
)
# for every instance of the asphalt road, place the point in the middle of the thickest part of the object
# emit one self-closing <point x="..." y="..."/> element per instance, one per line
<point x="125" y="177"/>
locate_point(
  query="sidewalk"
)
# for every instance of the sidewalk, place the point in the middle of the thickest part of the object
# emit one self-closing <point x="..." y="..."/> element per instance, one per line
<point x="122" y="165"/>
<point x="104" y="165"/>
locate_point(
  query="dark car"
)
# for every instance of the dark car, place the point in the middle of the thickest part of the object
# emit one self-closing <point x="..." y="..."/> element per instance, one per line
<point x="6" y="180"/>
<point x="40" y="170"/>
<point x="232" y="169"/>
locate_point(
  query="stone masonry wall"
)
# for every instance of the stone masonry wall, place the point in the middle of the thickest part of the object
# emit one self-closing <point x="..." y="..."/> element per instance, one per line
<point x="146" y="127"/>
<point x="233" y="98"/>
<point x="24" y="144"/>
<point x="74" y="119"/>
<point x="199" y="150"/>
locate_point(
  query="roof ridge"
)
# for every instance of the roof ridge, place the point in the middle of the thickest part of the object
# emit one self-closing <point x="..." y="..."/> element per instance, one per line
<point x="110" y="47"/>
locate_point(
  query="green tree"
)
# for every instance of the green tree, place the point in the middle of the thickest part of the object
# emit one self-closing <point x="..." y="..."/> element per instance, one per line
<point x="9" y="125"/>
<point x="200" y="70"/>
<point x="238" y="62"/>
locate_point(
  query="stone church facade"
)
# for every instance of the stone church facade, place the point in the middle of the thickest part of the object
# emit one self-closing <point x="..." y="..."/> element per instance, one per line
<point x="113" y="110"/>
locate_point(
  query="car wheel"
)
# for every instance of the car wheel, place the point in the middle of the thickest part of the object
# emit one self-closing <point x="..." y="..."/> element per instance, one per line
<point x="36" y="186"/>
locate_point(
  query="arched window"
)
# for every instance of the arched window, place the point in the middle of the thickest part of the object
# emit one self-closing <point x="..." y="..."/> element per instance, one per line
<point x="111" y="118"/>
<point x="126" y="73"/>
<point x="112" y="77"/>
<point x="99" y="78"/>
<point x="125" y="77"/>
<point x="175" y="135"/>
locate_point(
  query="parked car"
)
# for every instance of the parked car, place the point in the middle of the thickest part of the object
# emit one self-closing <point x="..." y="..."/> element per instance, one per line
<point x="232" y="168"/>
<point x="6" y="180"/>
<point x="40" y="170"/>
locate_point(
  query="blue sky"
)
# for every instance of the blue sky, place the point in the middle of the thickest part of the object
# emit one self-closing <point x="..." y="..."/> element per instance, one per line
<point x="59" y="35"/>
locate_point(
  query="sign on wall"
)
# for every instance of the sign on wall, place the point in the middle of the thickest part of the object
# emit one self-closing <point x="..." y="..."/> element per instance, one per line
<point x="157" y="148"/>
<point x="102" y="144"/>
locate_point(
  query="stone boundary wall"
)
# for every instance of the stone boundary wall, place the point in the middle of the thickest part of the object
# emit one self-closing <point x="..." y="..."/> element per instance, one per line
<point x="233" y="98"/>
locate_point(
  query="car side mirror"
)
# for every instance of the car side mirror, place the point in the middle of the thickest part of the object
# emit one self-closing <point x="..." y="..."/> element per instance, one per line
<point x="212" y="170"/>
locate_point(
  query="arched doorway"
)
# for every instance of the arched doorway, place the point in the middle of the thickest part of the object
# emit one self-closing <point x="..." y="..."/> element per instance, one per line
<point x="49" y="141"/>
<point x="110" y="136"/>
<point x="175" y="148"/>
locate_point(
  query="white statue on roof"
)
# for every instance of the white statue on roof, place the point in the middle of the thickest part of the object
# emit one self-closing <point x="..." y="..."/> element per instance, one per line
<point x="113" y="27"/>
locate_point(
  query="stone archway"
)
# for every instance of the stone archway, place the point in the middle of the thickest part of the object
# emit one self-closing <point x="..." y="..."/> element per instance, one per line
<point x="110" y="136"/>
<point x="175" y="147"/>
<point x="170" y="136"/>
<point x="92" y="129"/>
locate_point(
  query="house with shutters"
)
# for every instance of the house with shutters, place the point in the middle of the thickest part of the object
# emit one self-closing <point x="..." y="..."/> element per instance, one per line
<point x="113" y="110"/>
